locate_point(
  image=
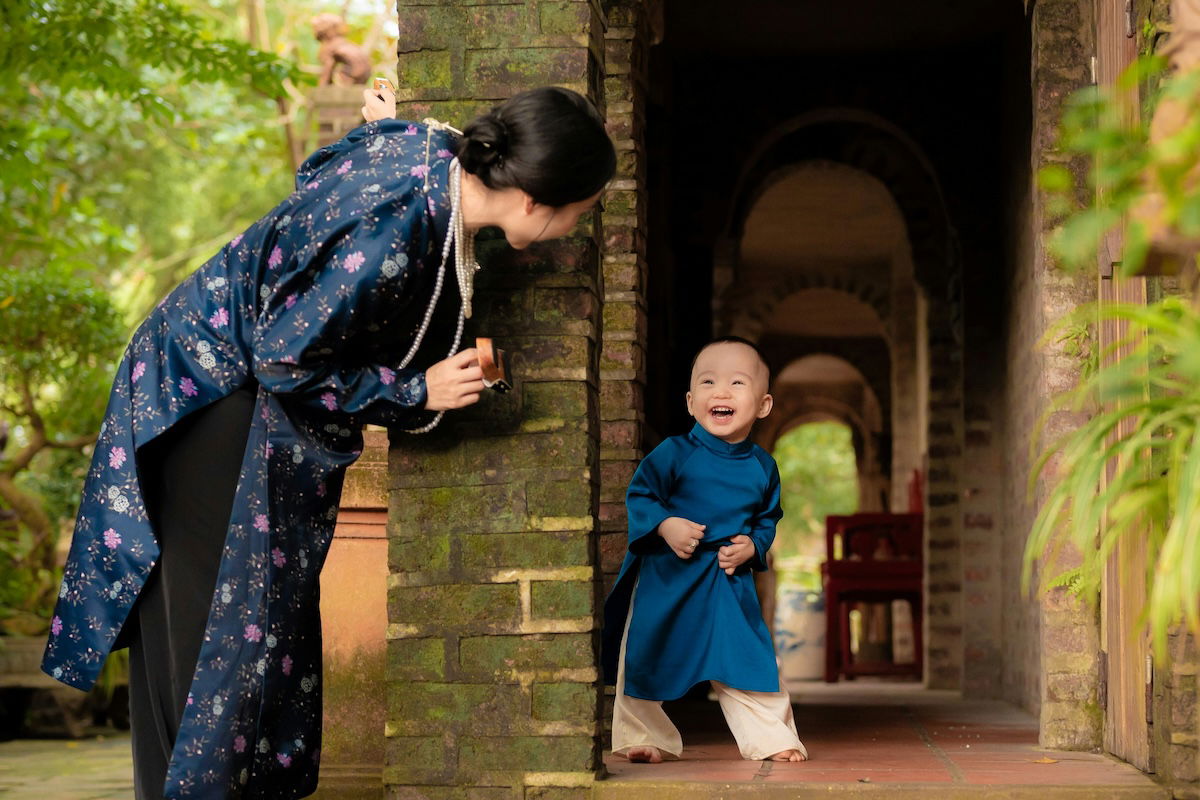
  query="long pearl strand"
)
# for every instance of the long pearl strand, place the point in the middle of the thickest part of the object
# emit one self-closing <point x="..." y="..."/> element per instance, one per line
<point x="464" y="254"/>
<point x="465" y="267"/>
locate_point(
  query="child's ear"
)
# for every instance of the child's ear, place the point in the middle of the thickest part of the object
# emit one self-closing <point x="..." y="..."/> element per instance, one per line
<point x="689" y="404"/>
<point x="765" y="405"/>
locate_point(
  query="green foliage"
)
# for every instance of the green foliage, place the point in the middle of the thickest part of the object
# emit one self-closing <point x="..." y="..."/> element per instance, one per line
<point x="56" y="327"/>
<point x="121" y="119"/>
<point x="819" y="477"/>
<point x="135" y="137"/>
<point x="1142" y="407"/>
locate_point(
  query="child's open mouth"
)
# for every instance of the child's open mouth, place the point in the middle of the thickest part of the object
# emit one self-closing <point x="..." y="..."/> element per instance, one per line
<point x="721" y="412"/>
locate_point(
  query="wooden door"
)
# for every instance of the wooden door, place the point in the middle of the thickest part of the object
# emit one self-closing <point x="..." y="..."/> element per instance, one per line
<point x="1123" y="593"/>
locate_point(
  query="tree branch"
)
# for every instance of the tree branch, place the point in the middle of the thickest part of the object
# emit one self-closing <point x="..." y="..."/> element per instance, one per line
<point x="72" y="444"/>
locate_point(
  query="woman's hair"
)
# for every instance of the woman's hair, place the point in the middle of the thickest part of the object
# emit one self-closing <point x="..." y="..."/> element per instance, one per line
<point x="548" y="142"/>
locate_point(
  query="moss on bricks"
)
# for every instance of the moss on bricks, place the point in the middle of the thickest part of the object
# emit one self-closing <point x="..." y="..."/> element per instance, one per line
<point x="455" y="606"/>
<point x="562" y="599"/>
<point x="572" y="498"/>
<point x="424" y="68"/>
<point x="498" y="656"/>
<point x="487" y="551"/>
<point x="461" y="705"/>
<point x="526" y="753"/>
<point x="556" y="399"/>
<point x="572" y="702"/>
<point x="416" y="659"/>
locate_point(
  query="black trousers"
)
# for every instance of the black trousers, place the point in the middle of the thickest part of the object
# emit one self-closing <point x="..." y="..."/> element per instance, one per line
<point x="189" y="478"/>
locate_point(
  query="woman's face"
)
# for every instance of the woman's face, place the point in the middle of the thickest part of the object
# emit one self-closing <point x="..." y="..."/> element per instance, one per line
<point x="531" y="222"/>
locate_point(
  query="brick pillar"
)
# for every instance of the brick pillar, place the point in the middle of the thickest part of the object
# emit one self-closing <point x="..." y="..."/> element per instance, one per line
<point x="492" y="607"/>
<point x="1068" y="637"/>
<point x="943" y="571"/>
<point x="622" y="361"/>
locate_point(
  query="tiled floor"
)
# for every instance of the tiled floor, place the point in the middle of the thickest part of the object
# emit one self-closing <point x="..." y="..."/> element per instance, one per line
<point x="882" y="739"/>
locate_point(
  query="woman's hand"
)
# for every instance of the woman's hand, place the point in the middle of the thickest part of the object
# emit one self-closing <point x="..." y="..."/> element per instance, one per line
<point x="681" y="535"/>
<point x="375" y="108"/>
<point x="454" y="383"/>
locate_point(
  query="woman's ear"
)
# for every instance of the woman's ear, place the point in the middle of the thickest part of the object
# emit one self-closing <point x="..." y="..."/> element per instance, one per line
<point x="528" y="203"/>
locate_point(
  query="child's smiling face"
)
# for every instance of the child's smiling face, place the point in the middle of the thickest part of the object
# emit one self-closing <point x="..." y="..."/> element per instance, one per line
<point x="729" y="390"/>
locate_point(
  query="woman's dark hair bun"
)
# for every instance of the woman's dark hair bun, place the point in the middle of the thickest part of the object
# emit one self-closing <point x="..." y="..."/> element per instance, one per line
<point x="548" y="142"/>
<point x="484" y="145"/>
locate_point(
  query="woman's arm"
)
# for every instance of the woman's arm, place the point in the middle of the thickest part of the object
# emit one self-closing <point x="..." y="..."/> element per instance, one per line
<point x="305" y="338"/>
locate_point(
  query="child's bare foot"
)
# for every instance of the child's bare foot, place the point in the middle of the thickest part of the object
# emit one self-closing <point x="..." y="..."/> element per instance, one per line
<point x="644" y="755"/>
<point x="786" y="755"/>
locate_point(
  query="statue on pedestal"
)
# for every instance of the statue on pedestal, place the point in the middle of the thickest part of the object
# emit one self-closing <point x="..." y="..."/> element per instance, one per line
<point x="343" y="63"/>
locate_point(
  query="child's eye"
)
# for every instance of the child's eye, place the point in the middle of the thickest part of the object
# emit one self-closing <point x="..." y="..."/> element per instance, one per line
<point x="706" y="380"/>
<point x="738" y="381"/>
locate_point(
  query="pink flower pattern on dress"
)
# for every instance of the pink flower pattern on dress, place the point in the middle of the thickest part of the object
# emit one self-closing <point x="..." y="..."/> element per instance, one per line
<point x="284" y="759"/>
<point x="112" y="539"/>
<point x="411" y="130"/>
<point x="261" y="523"/>
<point x="329" y="400"/>
<point x="139" y="369"/>
<point x="236" y="241"/>
<point x="387" y="376"/>
<point x="220" y="318"/>
<point x="56" y="626"/>
<point x="287" y="665"/>
<point x="116" y="457"/>
<point x="278" y="558"/>
<point x="239" y="744"/>
<point x="444" y="153"/>
<point x="290" y="301"/>
<point x="252" y="633"/>
<point x="188" y="387"/>
<point x="312" y="185"/>
<point x="276" y="257"/>
<point x="344" y="168"/>
<point x="420" y="171"/>
<point x="354" y="261"/>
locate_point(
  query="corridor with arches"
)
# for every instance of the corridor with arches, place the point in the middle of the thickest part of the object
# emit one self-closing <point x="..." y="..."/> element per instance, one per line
<point x="858" y="217"/>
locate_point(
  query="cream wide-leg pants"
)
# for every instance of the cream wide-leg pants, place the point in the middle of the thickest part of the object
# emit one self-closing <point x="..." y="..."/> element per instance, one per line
<point x="761" y="722"/>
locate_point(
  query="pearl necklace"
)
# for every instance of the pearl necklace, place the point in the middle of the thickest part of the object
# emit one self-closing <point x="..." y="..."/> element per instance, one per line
<point x="464" y="266"/>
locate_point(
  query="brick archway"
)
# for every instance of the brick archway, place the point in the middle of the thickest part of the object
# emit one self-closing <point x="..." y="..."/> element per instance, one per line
<point x="870" y="144"/>
<point x="917" y="295"/>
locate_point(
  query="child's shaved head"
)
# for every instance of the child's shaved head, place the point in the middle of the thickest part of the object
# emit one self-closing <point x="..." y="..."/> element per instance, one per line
<point x="766" y="371"/>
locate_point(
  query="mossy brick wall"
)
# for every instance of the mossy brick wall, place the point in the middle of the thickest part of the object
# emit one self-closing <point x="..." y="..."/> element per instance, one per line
<point x="493" y="690"/>
<point x="1053" y="642"/>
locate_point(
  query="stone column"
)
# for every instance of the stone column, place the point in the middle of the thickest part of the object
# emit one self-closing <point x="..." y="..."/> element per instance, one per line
<point x="943" y="570"/>
<point x="1067" y="634"/>
<point x="492" y="606"/>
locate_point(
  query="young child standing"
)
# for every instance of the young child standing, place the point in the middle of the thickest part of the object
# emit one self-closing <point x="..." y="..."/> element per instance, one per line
<point x="702" y="511"/>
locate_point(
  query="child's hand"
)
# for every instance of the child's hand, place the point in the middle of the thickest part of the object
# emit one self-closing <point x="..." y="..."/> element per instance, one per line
<point x="731" y="556"/>
<point x="681" y="535"/>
